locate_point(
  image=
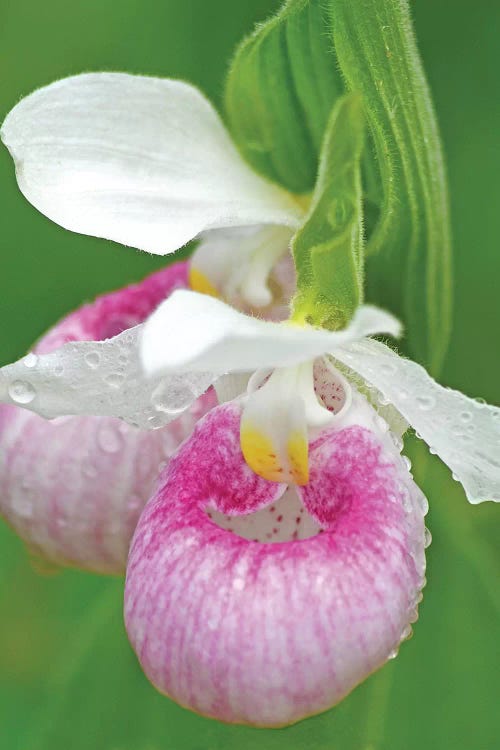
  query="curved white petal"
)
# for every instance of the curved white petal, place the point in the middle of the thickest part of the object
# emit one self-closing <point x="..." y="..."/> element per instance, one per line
<point x="143" y="161"/>
<point x="237" y="264"/>
<point x="100" y="378"/>
<point x="205" y="334"/>
<point x="463" y="432"/>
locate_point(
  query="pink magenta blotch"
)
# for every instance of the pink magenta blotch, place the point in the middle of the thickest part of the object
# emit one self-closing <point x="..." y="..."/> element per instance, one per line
<point x="267" y="634"/>
<point x="73" y="488"/>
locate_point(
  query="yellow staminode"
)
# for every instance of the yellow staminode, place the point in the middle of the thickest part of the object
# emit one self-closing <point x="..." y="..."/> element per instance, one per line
<point x="263" y="456"/>
<point x="260" y="453"/>
<point x="298" y="457"/>
<point x="200" y="283"/>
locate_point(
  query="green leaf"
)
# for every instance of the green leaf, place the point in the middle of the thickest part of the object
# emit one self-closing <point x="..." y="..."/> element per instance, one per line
<point x="409" y="251"/>
<point x="279" y="94"/>
<point x="328" y="249"/>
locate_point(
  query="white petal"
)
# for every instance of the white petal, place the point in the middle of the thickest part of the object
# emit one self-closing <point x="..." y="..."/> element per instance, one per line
<point x="463" y="432"/>
<point x="143" y="161"/>
<point x="205" y="334"/>
<point x="237" y="264"/>
<point x="100" y="378"/>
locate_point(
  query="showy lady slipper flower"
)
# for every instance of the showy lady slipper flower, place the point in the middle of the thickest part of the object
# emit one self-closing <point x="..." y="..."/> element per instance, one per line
<point x="148" y="162"/>
<point x="263" y="599"/>
<point x="74" y="488"/>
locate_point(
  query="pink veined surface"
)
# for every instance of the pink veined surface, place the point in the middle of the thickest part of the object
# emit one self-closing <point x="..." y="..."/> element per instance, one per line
<point x="267" y="634"/>
<point x="73" y="488"/>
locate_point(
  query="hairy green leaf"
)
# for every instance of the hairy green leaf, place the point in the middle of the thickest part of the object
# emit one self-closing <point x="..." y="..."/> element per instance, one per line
<point x="328" y="249"/>
<point x="279" y="94"/>
<point x="409" y="264"/>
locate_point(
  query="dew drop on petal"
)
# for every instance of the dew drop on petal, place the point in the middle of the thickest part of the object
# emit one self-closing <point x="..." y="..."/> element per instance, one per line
<point x="135" y="503"/>
<point x="92" y="359"/>
<point x="109" y="439"/>
<point x="21" y="392"/>
<point x="407" y="633"/>
<point x="89" y="470"/>
<point x="425" y="403"/>
<point x="30" y="360"/>
<point x="156" y="421"/>
<point x="171" y="398"/>
<point x="423" y="504"/>
<point x="427" y="538"/>
<point x="114" y="379"/>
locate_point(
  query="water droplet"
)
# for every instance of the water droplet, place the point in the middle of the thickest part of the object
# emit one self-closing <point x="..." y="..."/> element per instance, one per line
<point x="21" y="392"/>
<point x="427" y="538"/>
<point x="394" y="653"/>
<point x="465" y="416"/>
<point x="156" y="421"/>
<point x="407" y="633"/>
<point x="92" y="359"/>
<point x="172" y="398"/>
<point x="114" y="379"/>
<point x="58" y="370"/>
<point x="135" y="503"/>
<point x="238" y="584"/>
<point x="109" y="438"/>
<point x="89" y="470"/>
<point x="426" y="403"/>
<point x="30" y="360"/>
<point x="407" y="462"/>
<point x="413" y="616"/>
<point x="423" y="504"/>
<point x="397" y="441"/>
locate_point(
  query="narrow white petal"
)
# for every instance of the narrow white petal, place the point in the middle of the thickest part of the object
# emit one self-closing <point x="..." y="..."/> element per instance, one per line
<point x="100" y="378"/>
<point x="143" y="161"/>
<point x="204" y="334"/>
<point x="463" y="432"/>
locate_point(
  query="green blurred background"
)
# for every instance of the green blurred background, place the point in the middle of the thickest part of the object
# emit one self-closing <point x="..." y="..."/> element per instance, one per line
<point x="68" y="678"/>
